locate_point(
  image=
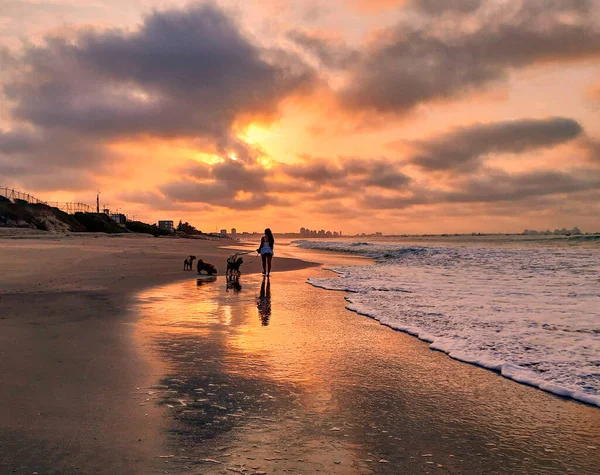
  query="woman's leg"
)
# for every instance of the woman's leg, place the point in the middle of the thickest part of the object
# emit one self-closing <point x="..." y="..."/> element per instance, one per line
<point x="264" y="263"/>
<point x="269" y="257"/>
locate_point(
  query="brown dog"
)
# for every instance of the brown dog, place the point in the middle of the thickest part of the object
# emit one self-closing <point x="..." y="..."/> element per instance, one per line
<point x="187" y="263"/>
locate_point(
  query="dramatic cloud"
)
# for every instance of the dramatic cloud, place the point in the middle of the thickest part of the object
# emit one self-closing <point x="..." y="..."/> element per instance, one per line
<point x="418" y="62"/>
<point x="247" y="185"/>
<point x="465" y="148"/>
<point x="496" y="186"/>
<point x="350" y="174"/>
<point x="183" y="73"/>
<point x="230" y="183"/>
<point x="50" y="160"/>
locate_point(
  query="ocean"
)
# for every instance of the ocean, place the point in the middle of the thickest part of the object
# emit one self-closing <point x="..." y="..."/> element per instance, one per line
<point x="527" y="308"/>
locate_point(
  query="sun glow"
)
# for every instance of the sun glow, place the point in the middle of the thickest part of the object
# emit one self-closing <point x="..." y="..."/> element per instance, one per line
<point x="255" y="134"/>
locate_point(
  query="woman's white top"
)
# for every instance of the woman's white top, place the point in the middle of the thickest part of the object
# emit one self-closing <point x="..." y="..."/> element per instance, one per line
<point x="266" y="248"/>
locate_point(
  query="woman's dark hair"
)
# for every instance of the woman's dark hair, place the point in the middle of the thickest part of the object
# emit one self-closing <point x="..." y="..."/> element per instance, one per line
<point x="269" y="235"/>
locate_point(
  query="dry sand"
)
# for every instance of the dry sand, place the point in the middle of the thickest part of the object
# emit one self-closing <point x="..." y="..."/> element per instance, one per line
<point x="100" y="349"/>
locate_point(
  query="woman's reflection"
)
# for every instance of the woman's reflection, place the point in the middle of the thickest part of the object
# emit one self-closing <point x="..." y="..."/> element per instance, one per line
<point x="264" y="301"/>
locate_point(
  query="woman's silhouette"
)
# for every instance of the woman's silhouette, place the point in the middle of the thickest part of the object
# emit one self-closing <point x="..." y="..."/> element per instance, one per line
<point x="267" y="243"/>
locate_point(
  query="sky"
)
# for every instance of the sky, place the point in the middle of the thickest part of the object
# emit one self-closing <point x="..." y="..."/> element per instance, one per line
<point x="406" y="116"/>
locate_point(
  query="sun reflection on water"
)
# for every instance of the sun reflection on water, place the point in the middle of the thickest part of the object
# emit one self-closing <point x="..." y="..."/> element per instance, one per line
<point x="286" y="354"/>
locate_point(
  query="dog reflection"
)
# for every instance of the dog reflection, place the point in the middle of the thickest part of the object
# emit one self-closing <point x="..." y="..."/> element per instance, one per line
<point x="263" y="302"/>
<point x="233" y="283"/>
<point x="205" y="279"/>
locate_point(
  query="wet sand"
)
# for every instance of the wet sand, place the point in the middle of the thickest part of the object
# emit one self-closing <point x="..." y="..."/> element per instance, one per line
<point x="70" y="375"/>
<point x="297" y="383"/>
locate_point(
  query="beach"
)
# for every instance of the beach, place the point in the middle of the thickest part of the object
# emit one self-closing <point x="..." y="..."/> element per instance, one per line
<point x="67" y="364"/>
<point x="114" y="360"/>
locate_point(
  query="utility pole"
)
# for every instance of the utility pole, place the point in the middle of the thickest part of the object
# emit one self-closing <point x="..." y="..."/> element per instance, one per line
<point x="98" y="202"/>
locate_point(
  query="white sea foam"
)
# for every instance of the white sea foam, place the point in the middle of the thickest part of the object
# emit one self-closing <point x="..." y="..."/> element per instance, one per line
<point x="531" y="312"/>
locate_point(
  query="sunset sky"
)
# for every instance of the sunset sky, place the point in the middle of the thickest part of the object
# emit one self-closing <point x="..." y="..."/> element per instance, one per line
<point x="414" y="116"/>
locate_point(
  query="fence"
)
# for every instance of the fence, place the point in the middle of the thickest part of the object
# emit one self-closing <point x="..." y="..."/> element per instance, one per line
<point x="71" y="208"/>
<point x="19" y="195"/>
<point x="67" y="207"/>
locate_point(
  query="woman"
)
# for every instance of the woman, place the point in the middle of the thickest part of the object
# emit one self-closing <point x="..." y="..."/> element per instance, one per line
<point x="266" y="251"/>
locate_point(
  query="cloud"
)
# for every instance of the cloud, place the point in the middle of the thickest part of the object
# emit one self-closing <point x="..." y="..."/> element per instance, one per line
<point x="219" y="194"/>
<point x="502" y="186"/>
<point x="156" y="201"/>
<point x="465" y="148"/>
<point x="52" y="160"/>
<point x="350" y="174"/>
<point x="375" y="6"/>
<point x="230" y="183"/>
<point x="440" y="7"/>
<point x="330" y="53"/>
<point x="592" y="149"/>
<point x="495" y="186"/>
<point x="247" y="185"/>
<point x="424" y="60"/>
<point x="185" y="73"/>
<point x="18" y="141"/>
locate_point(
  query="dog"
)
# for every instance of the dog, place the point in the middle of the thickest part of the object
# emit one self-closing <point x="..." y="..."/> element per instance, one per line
<point x="233" y="264"/>
<point x="206" y="267"/>
<point x="187" y="263"/>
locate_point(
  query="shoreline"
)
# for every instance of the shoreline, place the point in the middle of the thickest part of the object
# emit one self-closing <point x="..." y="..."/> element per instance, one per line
<point x="444" y="342"/>
<point x="559" y="392"/>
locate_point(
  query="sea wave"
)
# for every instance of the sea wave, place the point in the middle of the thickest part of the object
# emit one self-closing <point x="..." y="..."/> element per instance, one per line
<point x="530" y="314"/>
<point x="372" y="250"/>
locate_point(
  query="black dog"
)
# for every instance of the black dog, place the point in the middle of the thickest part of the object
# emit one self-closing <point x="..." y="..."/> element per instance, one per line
<point x="233" y="265"/>
<point x="187" y="263"/>
<point x="206" y="267"/>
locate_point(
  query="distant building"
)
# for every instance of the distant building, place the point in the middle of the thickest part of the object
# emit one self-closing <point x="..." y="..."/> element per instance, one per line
<point x="223" y="232"/>
<point x="167" y="225"/>
<point x="233" y="232"/>
<point x="118" y="218"/>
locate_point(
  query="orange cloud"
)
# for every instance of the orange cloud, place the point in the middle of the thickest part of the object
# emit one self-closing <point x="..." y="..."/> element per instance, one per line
<point x="376" y="6"/>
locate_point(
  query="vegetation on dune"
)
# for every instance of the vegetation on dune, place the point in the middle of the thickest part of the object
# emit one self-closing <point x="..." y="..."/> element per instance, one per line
<point x="37" y="216"/>
<point x="21" y="214"/>
<point x="99" y="223"/>
<point x="187" y="228"/>
<point x="140" y="227"/>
